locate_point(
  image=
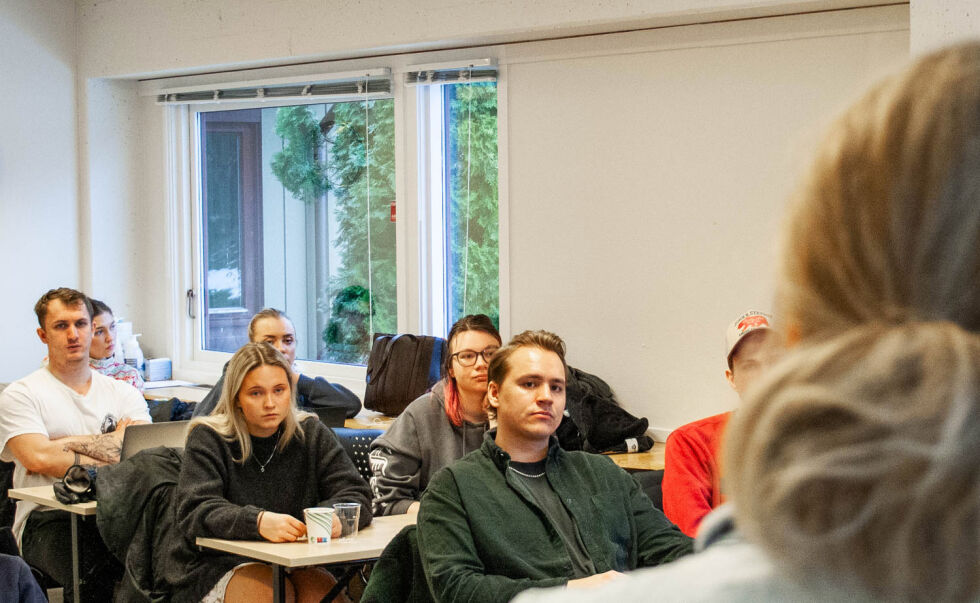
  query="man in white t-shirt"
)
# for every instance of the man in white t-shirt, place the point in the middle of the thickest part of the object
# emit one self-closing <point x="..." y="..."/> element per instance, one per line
<point x="61" y="415"/>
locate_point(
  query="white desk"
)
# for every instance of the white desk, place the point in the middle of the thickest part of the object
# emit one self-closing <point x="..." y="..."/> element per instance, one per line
<point x="44" y="496"/>
<point x="187" y="393"/>
<point x="367" y="545"/>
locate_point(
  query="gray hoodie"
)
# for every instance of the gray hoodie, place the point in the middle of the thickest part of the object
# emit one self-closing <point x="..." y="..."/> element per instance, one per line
<point x="419" y="443"/>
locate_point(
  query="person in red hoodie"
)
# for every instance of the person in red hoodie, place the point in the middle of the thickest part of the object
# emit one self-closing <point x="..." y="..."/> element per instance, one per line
<point x="692" y="477"/>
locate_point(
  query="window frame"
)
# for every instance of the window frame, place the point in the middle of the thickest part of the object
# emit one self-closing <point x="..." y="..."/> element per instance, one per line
<point x="193" y="363"/>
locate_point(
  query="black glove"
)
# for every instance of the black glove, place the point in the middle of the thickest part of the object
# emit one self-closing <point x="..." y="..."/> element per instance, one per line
<point x="77" y="486"/>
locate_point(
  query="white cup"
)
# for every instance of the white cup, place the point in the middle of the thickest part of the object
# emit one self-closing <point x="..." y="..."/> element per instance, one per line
<point x="319" y="524"/>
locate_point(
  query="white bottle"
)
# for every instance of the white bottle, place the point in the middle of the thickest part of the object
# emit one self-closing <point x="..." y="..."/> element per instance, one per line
<point x="133" y="353"/>
<point x="124" y="331"/>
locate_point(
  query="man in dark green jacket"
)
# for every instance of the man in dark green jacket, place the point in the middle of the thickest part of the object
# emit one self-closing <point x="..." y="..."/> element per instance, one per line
<point x="520" y="512"/>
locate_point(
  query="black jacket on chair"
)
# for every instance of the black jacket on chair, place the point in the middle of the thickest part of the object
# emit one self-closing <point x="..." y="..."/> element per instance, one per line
<point x="136" y="518"/>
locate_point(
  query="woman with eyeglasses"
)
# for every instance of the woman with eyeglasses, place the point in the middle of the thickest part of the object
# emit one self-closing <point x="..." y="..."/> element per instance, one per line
<point x="104" y="344"/>
<point x="441" y="425"/>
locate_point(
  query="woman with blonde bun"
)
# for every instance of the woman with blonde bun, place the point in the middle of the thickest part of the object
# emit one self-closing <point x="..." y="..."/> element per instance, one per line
<point x="853" y="466"/>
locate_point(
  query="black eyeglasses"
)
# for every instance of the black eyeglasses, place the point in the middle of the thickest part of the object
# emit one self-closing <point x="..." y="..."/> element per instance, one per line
<point x="468" y="357"/>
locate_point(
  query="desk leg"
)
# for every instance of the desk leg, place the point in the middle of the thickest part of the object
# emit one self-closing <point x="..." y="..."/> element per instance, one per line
<point x="278" y="584"/>
<point x="74" y="557"/>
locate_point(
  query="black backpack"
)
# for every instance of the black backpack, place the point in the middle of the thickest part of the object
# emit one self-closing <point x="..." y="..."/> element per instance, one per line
<point x="400" y="369"/>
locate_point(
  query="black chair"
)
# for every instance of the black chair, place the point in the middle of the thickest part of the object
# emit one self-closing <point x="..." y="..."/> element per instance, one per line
<point x="398" y="575"/>
<point x="8" y="544"/>
<point x="651" y="482"/>
<point x="7" y="506"/>
<point x="357" y="444"/>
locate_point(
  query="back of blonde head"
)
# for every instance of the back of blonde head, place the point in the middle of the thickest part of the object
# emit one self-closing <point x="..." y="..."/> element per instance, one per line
<point x="856" y="460"/>
<point x="855" y="463"/>
<point x="887" y="227"/>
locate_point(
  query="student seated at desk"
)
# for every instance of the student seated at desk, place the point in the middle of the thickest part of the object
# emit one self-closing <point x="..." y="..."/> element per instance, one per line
<point x="441" y="425"/>
<point x="101" y="354"/>
<point x="275" y="328"/>
<point x="60" y="415"/>
<point x="692" y="471"/>
<point x="249" y="470"/>
<point x="523" y="513"/>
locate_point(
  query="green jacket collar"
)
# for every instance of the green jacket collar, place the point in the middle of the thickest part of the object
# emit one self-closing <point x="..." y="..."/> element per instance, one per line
<point x="500" y="457"/>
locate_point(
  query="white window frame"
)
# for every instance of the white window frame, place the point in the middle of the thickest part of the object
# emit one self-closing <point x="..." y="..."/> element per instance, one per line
<point x="414" y="244"/>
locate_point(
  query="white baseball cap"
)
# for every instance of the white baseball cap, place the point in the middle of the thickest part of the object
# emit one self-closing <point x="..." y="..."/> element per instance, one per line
<point x="742" y="326"/>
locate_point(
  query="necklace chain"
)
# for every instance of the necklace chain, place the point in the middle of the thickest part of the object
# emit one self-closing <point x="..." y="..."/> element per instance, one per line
<point x="525" y="474"/>
<point x="268" y="460"/>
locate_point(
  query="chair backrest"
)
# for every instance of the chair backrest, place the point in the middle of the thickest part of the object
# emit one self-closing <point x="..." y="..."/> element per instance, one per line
<point x="650" y="482"/>
<point x="357" y="444"/>
<point x="8" y="544"/>
<point x="398" y="575"/>
<point x="7" y="506"/>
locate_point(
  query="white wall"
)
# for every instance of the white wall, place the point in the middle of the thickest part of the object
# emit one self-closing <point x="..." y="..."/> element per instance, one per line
<point x="937" y="23"/>
<point x="648" y="176"/>
<point x="38" y="186"/>
<point x="110" y="153"/>
<point x="140" y="37"/>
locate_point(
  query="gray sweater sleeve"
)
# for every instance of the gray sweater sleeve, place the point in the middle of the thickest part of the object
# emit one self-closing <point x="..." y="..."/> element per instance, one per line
<point x="396" y="461"/>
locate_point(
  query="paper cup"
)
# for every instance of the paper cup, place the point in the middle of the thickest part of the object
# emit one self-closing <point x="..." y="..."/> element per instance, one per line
<point x="319" y="524"/>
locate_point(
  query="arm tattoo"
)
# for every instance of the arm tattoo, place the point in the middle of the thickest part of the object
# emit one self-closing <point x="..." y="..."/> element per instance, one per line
<point x="105" y="447"/>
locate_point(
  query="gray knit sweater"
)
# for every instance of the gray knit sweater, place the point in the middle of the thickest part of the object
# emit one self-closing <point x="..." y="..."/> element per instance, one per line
<point x="419" y="443"/>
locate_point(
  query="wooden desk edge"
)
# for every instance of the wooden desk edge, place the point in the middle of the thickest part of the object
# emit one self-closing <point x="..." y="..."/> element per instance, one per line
<point x="44" y="496"/>
<point x="313" y="554"/>
<point x="369" y="419"/>
<point x="651" y="460"/>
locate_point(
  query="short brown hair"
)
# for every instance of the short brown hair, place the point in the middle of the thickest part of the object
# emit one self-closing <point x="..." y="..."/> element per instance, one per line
<point x="500" y="363"/>
<point x="67" y="296"/>
<point x="546" y="340"/>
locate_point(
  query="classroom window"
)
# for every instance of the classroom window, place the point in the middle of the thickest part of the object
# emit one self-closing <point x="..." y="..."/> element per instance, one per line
<point x="297" y="213"/>
<point x="459" y="166"/>
<point x="473" y="250"/>
<point x="296" y="208"/>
